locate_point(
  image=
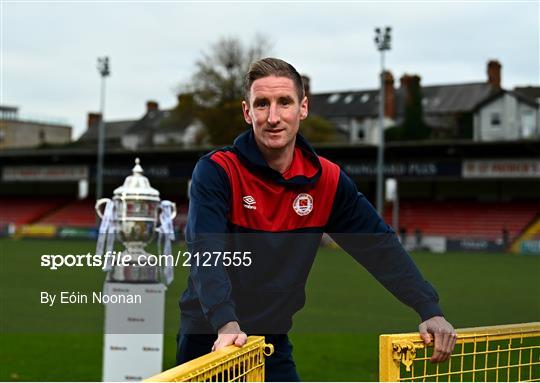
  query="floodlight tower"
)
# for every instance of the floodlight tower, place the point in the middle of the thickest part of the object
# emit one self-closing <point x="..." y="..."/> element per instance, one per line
<point x="104" y="71"/>
<point x="382" y="41"/>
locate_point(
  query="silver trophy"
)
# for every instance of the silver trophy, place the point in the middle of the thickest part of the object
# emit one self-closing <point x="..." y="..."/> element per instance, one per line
<point x="132" y="218"/>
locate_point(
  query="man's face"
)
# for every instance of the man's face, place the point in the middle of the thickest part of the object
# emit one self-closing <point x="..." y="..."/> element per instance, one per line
<point x="275" y="112"/>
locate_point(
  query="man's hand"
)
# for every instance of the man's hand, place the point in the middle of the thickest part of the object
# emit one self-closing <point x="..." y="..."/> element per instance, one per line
<point x="444" y="334"/>
<point x="229" y="334"/>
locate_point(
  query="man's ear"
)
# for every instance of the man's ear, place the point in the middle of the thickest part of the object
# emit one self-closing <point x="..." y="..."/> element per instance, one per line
<point x="304" y="109"/>
<point x="245" y="109"/>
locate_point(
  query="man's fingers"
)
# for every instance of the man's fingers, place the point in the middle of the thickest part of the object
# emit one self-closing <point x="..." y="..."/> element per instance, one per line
<point x="437" y="347"/>
<point x="446" y="344"/>
<point x="424" y="334"/>
<point x="440" y="350"/>
<point x="454" y="340"/>
<point x="241" y="340"/>
<point x="443" y="335"/>
<point x="449" y="344"/>
<point x="452" y="343"/>
<point x="225" y="340"/>
<point x="443" y="346"/>
<point x="426" y="337"/>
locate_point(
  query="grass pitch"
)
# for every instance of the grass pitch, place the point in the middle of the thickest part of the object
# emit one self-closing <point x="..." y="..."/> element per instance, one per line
<point x="335" y="336"/>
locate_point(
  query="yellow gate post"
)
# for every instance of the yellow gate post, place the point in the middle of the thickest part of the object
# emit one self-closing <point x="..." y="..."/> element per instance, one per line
<point x="388" y="367"/>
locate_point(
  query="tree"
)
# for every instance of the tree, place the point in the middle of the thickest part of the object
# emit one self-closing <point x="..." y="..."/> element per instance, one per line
<point x="317" y="129"/>
<point x="182" y="114"/>
<point x="217" y="86"/>
<point x="214" y="93"/>
<point x="413" y="126"/>
<point x="184" y="117"/>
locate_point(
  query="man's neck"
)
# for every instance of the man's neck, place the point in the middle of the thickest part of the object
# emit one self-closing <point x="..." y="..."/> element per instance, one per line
<point x="279" y="160"/>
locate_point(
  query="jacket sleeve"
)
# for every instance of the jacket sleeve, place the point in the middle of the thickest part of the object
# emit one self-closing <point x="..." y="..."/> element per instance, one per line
<point x="358" y="229"/>
<point x="206" y="232"/>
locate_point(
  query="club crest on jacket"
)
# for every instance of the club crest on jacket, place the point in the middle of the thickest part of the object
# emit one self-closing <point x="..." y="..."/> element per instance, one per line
<point x="303" y="204"/>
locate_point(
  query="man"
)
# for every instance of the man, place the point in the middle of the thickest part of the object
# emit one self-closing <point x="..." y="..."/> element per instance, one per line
<point x="271" y="194"/>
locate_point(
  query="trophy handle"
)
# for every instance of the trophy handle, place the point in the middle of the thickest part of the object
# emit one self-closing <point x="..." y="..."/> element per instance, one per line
<point x="173" y="213"/>
<point x="100" y="202"/>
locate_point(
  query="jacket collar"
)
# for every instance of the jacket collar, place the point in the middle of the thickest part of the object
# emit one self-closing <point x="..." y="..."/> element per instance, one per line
<point x="247" y="150"/>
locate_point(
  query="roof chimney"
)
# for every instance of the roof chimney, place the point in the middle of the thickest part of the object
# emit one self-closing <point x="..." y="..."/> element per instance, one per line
<point x="406" y="82"/>
<point x="389" y="98"/>
<point x="93" y="119"/>
<point x="494" y="73"/>
<point x="151" y="106"/>
<point x="307" y="85"/>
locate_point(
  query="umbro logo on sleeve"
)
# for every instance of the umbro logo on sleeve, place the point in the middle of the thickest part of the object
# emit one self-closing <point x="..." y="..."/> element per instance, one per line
<point x="249" y="202"/>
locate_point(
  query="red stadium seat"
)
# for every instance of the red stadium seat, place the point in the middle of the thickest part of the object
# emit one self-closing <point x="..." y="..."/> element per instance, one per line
<point x="460" y="219"/>
<point x="76" y="213"/>
<point x="21" y="210"/>
<point x="452" y="219"/>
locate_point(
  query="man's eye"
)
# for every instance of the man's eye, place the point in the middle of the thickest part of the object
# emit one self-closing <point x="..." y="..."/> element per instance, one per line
<point x="261" y="104"/>
<point x="285" y="102"/>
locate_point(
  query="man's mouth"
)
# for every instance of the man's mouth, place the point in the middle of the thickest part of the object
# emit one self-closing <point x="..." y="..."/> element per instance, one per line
<point x="273" y="131"/>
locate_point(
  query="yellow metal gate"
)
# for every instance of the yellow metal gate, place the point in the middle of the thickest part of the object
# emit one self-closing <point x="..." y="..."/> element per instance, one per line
<point x="495" y="354"/>
<point x="230" y="364"/>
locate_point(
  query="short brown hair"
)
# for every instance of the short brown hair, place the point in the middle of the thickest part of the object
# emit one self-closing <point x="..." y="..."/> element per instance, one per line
<point x="272" y="67"/>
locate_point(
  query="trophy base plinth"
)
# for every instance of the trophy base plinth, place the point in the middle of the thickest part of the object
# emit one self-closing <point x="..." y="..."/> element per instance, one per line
<point x="133" y="339"/>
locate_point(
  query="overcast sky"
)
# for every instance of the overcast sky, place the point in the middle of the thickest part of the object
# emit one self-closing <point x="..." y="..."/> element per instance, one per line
<point x="49" y="49"/>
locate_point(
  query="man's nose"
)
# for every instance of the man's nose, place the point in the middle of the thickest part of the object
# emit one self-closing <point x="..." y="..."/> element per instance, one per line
<point x="273" y="115"/>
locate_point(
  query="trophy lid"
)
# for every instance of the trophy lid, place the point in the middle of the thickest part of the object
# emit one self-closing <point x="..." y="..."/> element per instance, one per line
<point x="136" y="184"/>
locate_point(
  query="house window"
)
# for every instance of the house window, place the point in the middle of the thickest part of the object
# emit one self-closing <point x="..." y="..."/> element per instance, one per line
<point x="41" y="137"/>
<point x="527" y="124"/>
<point x="348" y="99"/>
<point x="495" y="119"/>
<point x="333" y="98"/>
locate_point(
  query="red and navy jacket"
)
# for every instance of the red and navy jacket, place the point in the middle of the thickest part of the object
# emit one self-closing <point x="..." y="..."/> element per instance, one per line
<point x="238" y="203"/>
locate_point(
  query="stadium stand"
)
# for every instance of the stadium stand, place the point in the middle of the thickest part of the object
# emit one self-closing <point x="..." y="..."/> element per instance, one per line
<point x="82" y="214"/>
<point x="181" y="215"/>
<point x="462" y="219"/>
<point x="451" y="219"/>
<point x="79" y="213"/>
<point x="20" y="211"/>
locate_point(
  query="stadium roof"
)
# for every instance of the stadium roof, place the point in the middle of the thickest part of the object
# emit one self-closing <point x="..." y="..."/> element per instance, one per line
<point x="431" y="148"/>
<point x="345" y="103"/>
<point x="113" y="130"/>
<point x="531" y="92"/>
<point x="441" y="99"/>
<point x="501" y="92"/>
<point x="150" y="122"/>
<point x="437" y="99"/>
